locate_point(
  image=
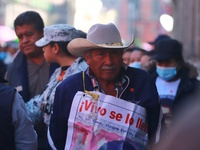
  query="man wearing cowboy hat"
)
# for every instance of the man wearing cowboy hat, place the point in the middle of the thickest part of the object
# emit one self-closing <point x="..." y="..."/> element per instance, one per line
<point x="102" y="50"/>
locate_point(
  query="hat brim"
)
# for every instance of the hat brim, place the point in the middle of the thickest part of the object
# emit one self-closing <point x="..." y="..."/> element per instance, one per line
<point x="78" y="46"/>
<point x="161" y="57"/>
<point x="42" y="42"/>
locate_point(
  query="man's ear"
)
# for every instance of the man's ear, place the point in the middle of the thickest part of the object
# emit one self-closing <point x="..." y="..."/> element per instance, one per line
<point x="56" y="48"/>
<point x="87" y="56"/>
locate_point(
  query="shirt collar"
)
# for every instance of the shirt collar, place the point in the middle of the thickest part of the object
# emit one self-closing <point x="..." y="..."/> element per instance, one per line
<point x="120" y="84"/>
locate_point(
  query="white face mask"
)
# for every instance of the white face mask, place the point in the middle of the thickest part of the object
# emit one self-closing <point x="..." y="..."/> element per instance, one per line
<point x="135" y="64"/>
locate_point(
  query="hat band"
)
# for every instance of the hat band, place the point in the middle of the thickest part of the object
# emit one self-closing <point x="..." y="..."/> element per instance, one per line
<point x="110" y="44"/>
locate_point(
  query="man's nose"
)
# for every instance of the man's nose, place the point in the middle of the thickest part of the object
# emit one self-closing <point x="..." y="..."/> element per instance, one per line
<point x="108" y="59"/>
<point x="24" y="39"/>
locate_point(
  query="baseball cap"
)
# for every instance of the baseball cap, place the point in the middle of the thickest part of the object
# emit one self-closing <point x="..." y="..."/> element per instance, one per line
<point x="167" y="49"/>
<point x="57" y="33"/>
<point x="159" y="38"/>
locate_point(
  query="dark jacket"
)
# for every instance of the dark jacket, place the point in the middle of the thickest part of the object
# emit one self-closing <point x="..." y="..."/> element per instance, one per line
<point x="17" y="75"/>
<point x="6" y="126"/>
<point x="145" y="94"/>
<point x="188" y="89"/>
<point x="3" y="68"/>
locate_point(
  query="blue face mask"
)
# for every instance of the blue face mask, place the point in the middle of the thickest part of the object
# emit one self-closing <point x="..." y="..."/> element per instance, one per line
<point x="135" y="64"/>
<point x="2" y="55"/>
<point x="166" y="73"/>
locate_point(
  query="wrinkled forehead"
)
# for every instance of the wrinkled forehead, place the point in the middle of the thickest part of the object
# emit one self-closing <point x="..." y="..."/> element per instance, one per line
<point x="25" y="29"/>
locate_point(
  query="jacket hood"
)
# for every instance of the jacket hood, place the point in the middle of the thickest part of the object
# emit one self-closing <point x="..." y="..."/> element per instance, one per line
<point x="192" y="70"/>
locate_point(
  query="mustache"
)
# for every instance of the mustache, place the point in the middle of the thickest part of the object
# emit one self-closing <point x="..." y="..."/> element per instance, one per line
<point x="109" y="67"/>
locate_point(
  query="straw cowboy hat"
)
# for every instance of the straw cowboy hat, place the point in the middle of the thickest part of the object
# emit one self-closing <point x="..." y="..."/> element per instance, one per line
<point x="99" y="36"/>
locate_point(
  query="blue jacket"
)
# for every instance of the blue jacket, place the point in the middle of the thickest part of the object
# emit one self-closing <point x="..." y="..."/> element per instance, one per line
<point x="16" y="129"/>
<point x="6" y="126"/>
<point x="145" y="94"/>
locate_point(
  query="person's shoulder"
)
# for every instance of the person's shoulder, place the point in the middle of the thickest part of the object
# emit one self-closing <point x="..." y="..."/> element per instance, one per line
<point x="69" y="86"/>
<point x="76" y="76"/>
<point x="136" y="72"/>
<point x="138" y="76"/>
<point x="56" y="72"/>
<point x="20" y="57"/>
<point x="72" y="80"/>
<point x="6" y="90"/>
<point x="4" y="87"/>
<point x="197" y="88"/>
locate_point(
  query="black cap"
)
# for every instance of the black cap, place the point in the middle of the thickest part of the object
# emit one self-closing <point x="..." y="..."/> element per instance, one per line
<point x="159" y="38"/>
<point x="167" y="49"/>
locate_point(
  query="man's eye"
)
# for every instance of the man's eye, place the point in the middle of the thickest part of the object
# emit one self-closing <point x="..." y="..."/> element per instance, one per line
<point x="100" y="54"/>
<point x="19" y="37"/>
<point x="29" y="34"/>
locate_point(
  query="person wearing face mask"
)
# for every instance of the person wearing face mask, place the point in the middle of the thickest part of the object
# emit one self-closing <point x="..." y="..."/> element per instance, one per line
<point x="135" y="57"/>
<point x="176" y="80"/>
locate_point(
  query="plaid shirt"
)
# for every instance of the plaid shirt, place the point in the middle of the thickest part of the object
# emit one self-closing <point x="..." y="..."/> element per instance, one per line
<point x="121" y="83"/>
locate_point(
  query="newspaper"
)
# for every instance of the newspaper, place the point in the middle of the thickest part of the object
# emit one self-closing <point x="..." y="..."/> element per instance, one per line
<point x="93" y="123"/>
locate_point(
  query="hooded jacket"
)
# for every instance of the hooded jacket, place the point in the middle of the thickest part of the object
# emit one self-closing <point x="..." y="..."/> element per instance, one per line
<point x="188" y="89"/>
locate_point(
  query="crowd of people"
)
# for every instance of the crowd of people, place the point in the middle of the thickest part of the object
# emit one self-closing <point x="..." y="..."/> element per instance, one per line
<point x="67" y="89"/>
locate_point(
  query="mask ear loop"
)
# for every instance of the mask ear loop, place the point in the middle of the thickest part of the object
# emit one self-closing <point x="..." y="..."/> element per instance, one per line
<point x="92" y="94"/>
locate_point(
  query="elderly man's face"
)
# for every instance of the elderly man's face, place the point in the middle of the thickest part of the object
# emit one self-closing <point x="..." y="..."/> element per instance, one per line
<point x="105" y="63"/>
